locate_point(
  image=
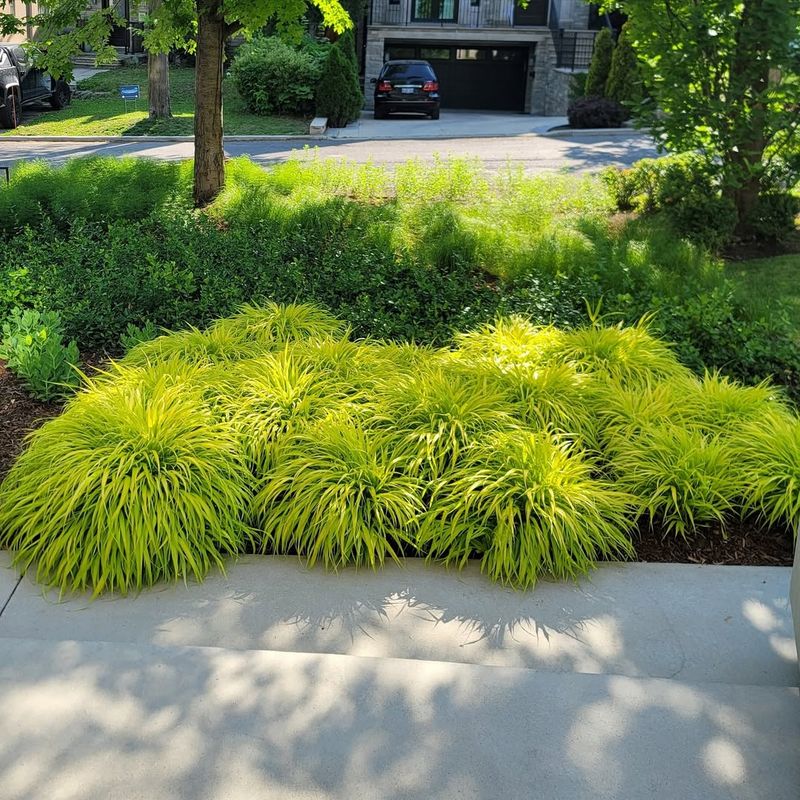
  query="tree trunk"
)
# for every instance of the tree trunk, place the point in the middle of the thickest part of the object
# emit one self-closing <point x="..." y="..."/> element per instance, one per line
<point x="209" y="156"/>
<point x="749" y="81"/>
<point x="158" y="86"/>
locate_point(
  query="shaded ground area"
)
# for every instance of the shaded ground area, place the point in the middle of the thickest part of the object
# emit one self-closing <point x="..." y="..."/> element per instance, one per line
<point x="649" y="682"/>
<point x="109" y="116"/>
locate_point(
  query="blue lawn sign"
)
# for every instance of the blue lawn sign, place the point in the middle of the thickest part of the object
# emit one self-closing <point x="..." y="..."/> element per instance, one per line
<point x="130" y="94"/>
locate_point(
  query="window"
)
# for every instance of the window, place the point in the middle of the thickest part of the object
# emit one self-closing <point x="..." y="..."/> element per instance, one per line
<point x="470" y="54"/>
<point x="407" y="72"/>
<point x="435" y="10"/>
<point x="395" y="52"/>
<point x="434" y="53"/>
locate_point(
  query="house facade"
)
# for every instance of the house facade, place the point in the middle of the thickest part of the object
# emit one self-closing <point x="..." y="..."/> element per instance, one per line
<point x="487" y="54"/>
<point x="22" y="11"/>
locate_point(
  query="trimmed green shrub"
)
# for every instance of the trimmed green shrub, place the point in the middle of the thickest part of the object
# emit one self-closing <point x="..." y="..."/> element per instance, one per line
<point x="774" y="216"/>
<point x="624" y="81"/>
<point x="132" y="484"/>
<point x="530" y="507"/>
<point x="32" y="347"/>
<point x="596" y="112"/>
<point x="338" y="93"/>
<point x="600" y="66"/>
<point x="274" y="77"/>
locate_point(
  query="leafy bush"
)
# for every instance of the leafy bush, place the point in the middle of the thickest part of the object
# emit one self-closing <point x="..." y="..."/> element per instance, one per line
<point x="685" y="190"/>
<point x="135" y="334"/>
<point x="338" y="94"/>
<point x="33" y="348"/>
<point x="132" y="484"/>
<point x="774" y="216"/>
<point x="600" y="66"/>
<point x="596" y="112"/>
<point x="274" y="77"/>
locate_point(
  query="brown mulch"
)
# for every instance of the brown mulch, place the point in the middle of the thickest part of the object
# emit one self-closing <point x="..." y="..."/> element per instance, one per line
<point x="19" y="414"/>
<point x="747" y="251"/>
<point x="743" y="543"/>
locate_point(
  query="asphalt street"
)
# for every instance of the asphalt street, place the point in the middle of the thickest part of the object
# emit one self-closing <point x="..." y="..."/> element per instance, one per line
<point x="532" y="152"/>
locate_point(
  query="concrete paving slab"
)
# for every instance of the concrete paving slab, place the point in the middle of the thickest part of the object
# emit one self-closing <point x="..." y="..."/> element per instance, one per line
<point x="451" y="124"/>
<point x="699" y="623"/>
<point x="8" y="578"/>
<point x="91" y="721"/>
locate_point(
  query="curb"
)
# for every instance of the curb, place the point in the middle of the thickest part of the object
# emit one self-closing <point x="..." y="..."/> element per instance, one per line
<point x="574" y="132"/>
<point x="240" y="138"/>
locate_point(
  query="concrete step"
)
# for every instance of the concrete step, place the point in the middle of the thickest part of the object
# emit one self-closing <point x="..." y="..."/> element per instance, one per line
<point x="696" y="623"/>
<point x="86" y="720"/>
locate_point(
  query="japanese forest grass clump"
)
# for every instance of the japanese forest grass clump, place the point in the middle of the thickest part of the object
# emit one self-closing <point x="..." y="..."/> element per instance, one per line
<point x="535" y="449"/>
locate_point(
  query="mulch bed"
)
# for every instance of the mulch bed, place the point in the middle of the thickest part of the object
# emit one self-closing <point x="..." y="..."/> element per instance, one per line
<point x="743" y="543"/>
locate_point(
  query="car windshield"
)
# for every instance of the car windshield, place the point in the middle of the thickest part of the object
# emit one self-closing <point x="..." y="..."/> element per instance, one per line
<point x="407" y="72"/>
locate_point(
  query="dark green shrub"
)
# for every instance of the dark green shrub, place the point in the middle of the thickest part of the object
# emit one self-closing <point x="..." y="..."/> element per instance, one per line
<point x="624" y="80"/>
<point x="774" y="216"/>
<point x="597" y="77"/>
<point x="595" y="112"/>
<point x="275" y="78"/>
<point x="33" y="348"/>
<point x="338" y="95"/>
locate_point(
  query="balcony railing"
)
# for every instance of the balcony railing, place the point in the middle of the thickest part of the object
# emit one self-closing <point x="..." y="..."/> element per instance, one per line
<point x="461" y="13"/>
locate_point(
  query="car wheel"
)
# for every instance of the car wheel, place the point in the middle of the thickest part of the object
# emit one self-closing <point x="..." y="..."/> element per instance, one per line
<point x="434" y="114"/>
<point x="11" y="113"/>
<point x="61" y="96"/>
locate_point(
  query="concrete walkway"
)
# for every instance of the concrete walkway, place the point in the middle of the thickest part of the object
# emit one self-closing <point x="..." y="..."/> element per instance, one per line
<point x="646" y="681"/>
<point x="450" y="125"/>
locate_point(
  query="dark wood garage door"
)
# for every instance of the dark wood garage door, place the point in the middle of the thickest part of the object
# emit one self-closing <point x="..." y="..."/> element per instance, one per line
<point x="474" y="77"/>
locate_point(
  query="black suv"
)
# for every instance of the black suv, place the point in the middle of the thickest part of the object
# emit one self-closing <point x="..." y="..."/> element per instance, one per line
<point x="406" y="86"/>
<point x="21" y="84"/>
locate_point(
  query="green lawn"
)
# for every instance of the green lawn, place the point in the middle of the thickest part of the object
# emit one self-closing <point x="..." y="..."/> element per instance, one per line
<point x="107" y="116"/>
<point x="766" y="280"/>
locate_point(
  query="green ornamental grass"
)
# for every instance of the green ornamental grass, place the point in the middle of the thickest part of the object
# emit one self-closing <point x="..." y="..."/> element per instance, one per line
<point x="531" y="506"/>
<point x="338" y="494"/>
<point x="532" y="448"/>
<point x="682" y="479"/>
<point x="132" y="484"/>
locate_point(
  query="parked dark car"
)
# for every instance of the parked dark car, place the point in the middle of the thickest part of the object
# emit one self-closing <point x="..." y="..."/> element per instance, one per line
<point x="407" y="86"/>
<point x="21" y="84"/>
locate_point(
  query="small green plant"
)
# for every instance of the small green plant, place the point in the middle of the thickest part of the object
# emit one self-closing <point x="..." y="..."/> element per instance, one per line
<point x="132" y="484"/>
<point x="338" y="494"/>
<point x="33" y="348"/>
<point x="136" y="334"/>
<point x="530" y="506"/>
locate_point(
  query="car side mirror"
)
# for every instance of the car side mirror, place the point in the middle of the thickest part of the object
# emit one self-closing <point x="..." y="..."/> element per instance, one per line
<point x="373" y="80"/>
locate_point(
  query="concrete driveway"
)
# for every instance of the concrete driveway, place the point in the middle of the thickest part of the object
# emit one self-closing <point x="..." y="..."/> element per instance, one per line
<point x="450" y="125"/>
<point x="643" y="682"/>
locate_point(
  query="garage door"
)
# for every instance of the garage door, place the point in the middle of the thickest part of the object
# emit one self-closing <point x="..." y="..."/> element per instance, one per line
<point x="473" y="77"/>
